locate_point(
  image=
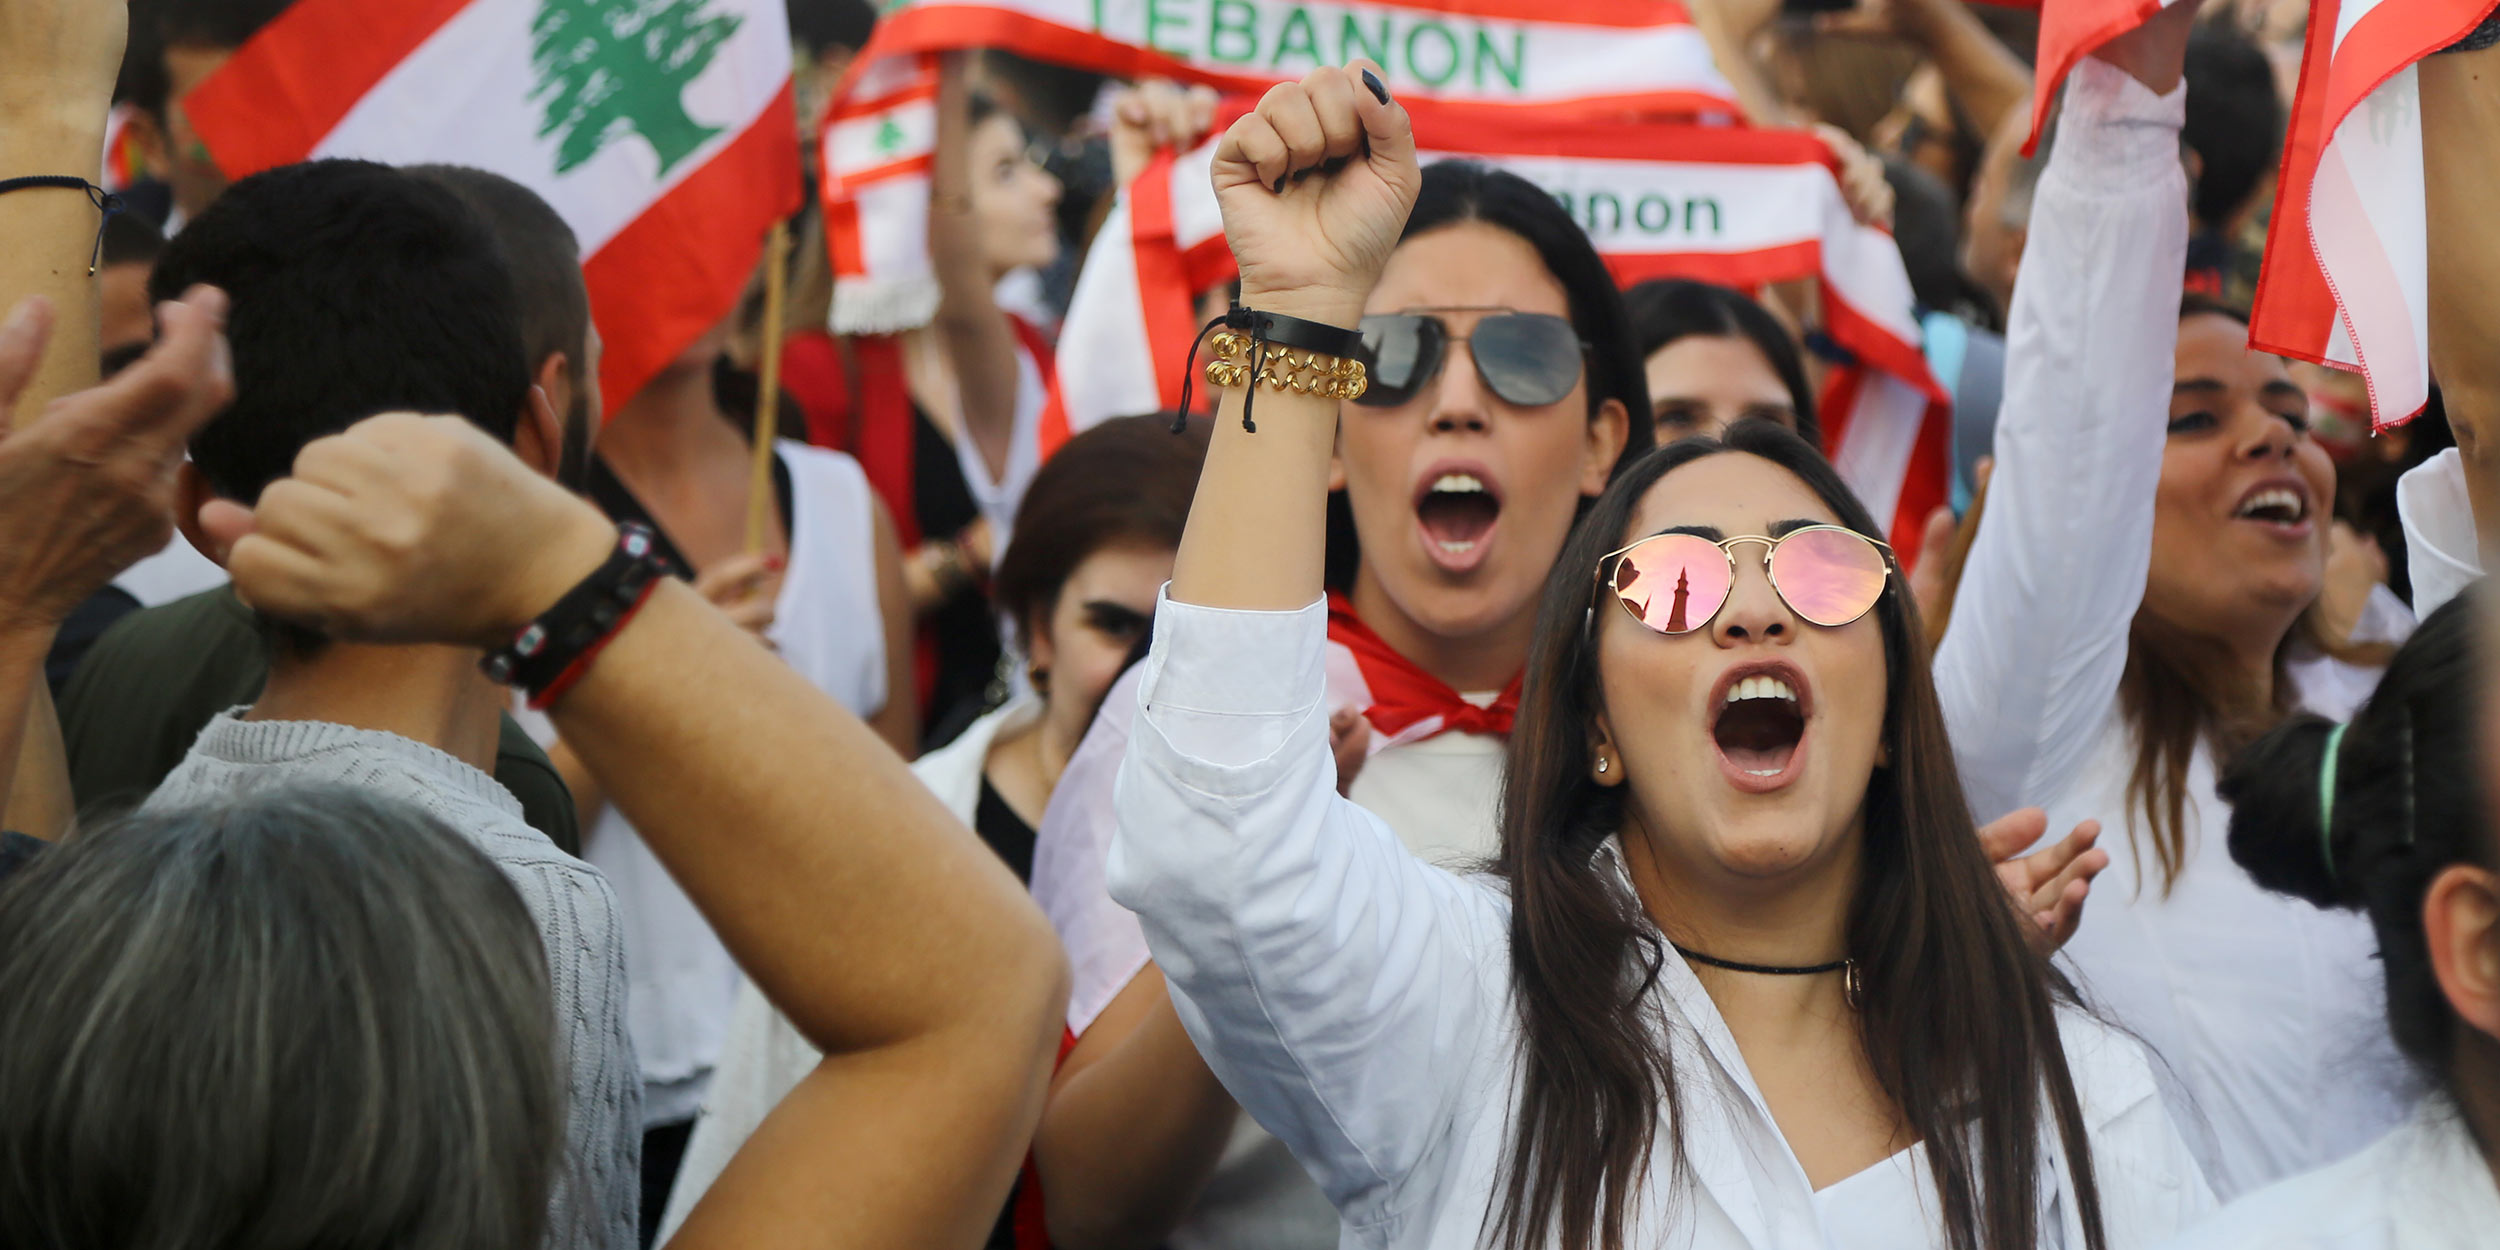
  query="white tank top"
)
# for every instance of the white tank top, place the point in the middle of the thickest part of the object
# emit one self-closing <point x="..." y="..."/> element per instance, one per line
<point x="828" y="627"/>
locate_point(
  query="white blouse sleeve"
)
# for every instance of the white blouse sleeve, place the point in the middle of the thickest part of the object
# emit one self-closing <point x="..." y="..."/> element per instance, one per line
<point x="1340" y="987"/>
<point x="2030" y="666"/>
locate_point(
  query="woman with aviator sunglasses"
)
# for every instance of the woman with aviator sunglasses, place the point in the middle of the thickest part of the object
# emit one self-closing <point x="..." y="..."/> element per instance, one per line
<point x="1741" y="973"/>
<point x="1510" y="384"/>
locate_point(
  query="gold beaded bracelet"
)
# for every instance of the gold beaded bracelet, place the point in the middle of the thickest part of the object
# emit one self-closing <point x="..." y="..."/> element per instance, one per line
<point x="1283" y="368"/>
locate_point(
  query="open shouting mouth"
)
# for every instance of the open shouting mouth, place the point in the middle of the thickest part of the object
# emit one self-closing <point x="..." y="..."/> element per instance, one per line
<point x="1457" y="504"/>
<point x="1758" y="722"/>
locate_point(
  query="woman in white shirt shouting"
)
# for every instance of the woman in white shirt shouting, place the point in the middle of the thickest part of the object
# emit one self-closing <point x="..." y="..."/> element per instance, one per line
<point x="1742" y="974"/>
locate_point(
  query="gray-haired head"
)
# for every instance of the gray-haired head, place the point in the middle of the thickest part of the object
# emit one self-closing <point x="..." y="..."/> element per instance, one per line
<point x="296" y="1018"/>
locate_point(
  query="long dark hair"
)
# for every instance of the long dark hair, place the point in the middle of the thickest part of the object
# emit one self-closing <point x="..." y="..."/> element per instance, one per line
<point x="2409" y="800"/>
<point x="1663" y="310"/>
<point x="1960" y="1015"/>
<point x="1462" y="191"/>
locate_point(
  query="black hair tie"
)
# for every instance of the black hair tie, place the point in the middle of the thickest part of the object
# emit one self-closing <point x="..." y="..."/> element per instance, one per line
<point x="105" y="201"/>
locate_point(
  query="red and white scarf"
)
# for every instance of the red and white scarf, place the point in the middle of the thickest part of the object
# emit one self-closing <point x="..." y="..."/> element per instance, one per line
<point x="1738" y="206"/>
<point x="1593" y="60"/>
<point x="1403" y="702"/>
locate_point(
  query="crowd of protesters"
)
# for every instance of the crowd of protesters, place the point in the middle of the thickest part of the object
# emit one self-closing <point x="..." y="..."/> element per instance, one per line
<point x="1510" y="794"/>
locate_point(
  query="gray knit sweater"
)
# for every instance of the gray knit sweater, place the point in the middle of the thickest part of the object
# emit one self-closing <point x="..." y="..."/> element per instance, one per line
<point x="597" y="1191"/>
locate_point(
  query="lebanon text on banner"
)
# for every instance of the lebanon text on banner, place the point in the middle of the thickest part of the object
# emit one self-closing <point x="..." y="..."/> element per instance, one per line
<point x="661" y="130"/>
<point x="1593" y="61"/>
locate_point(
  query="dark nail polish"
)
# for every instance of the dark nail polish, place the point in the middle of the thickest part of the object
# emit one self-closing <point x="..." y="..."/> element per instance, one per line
<point x="1372" y="81"/>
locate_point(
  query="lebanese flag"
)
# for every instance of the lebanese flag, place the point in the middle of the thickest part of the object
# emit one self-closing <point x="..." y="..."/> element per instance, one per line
<point x="1739" y="207"/>
<point x="661" y="130"/>
<point x="2346" y="276"/>
<point x="1594" y="61"/>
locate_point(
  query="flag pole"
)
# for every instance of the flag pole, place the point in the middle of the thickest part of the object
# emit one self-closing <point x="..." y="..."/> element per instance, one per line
<point x="768" y="387"/>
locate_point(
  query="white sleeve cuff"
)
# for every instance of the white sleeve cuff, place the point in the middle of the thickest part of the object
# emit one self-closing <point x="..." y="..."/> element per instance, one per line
<point x="1227" y="686"/>
<point x="2114" y="132"/>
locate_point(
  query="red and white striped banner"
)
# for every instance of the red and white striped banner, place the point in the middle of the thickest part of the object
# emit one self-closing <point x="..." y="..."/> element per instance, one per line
<point x="1740" y="207"/>
<point x="1593" y="61"/>
<point x="2346" y="279"/>
<point x="661" y="130"/>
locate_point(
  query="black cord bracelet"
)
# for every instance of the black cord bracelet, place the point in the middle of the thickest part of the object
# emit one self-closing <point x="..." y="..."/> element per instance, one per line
<point x="105" y="201"/>
<point x="549" y="653"/>
<point x="1265" y="328"/>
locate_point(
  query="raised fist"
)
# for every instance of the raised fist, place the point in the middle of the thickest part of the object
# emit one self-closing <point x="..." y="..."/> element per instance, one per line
<point x="1315" y="187"/>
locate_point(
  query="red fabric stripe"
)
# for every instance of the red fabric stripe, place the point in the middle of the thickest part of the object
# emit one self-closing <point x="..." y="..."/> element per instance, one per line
<point x="676" y="270"/>
<point x="1534" y="130"/>
<point x="288" y="88"/>
<point x="842" y="232"/>
<point x="1802" y="259"/>
<point x="922" y="165"/>
<point x="1926" y="485"/>
<point x="1839" y="402"/>
<point x="2388" y="38"/>
<point x="1163" y="289"/>
<point x="845" y="110"/>
<point x="1877" y="346"/>
<point x="2293" y="308"/>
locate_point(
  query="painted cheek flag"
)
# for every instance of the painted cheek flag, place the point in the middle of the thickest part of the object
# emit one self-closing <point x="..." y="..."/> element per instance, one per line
<point x="1594" y="61"/>
<point x="661" y="130"/>
<point x="2346" y="277"/>
<point x="1739" y="207"/>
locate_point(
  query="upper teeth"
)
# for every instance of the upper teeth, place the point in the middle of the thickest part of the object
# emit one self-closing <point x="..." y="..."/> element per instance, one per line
<point x="1457" y="483"/>
<point x="2277" y="497"/>
<point x="1760" y="688"/>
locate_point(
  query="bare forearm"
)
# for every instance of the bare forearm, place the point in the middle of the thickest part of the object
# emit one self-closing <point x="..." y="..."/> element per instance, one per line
<point x="913" y="1145"/>
<point x="51" y="233"/>
<point x="1258" y="529"/>
<point x="859" y="906"/>
<point x="1129" y="1141"/>
<point x="2460" y="130"/>
<point x="1980" y="73"/>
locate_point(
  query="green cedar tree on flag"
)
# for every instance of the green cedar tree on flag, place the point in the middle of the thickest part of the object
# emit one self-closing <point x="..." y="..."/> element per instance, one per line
<point x="662" y="131"/>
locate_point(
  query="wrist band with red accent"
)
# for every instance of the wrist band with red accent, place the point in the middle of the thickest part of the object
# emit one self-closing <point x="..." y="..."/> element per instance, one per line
<point x="552" y="652"/>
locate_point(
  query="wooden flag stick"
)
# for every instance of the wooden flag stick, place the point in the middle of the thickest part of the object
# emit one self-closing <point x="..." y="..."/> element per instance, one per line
<point x="768" y="388"/>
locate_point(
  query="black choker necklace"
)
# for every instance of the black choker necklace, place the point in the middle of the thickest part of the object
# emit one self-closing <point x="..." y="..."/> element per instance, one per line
<point x="1849" y="985"/>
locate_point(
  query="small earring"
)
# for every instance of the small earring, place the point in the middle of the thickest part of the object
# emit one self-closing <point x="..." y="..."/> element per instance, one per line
<point x="1601" y="763"/>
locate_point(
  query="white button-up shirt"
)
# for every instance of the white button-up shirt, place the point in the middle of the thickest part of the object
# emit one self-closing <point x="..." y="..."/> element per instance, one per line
<point x="2265" y="1011"/>
<point x="1357" y="1000"/>
<point x="2423" y="1187"/>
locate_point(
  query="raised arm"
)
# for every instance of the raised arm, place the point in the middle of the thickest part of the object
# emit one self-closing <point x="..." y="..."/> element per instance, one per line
<point x="1336" y="985"/>
<point x="86" y="489"/>
<point x="1980" y="73"/>
<point x="57" y="61"/>
<point x="979" y="343"/>
<point x="2039" y="638"/>
<point x="882" y="928"/>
